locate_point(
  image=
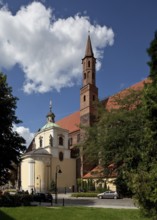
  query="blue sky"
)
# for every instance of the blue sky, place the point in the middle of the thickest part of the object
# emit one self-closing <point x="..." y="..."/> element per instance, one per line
<point x="42" y="44"/>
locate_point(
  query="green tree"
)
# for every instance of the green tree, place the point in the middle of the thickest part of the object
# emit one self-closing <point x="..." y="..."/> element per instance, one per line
<point x="115" y="138"/>
<point x="145" y="181"/>
<point x="11" y="144"/>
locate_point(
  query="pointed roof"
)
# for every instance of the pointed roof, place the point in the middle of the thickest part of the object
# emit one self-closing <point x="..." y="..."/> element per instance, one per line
<point x="89" y="50"/>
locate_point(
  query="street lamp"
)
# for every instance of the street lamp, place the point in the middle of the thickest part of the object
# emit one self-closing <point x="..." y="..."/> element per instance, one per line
<point x="39" y="178"/>
<point x="58" y="171"/>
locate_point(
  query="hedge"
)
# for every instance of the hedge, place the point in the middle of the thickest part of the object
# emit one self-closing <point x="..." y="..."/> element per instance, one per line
<point x="84" y="194"/>
<point x="8" y="200"/>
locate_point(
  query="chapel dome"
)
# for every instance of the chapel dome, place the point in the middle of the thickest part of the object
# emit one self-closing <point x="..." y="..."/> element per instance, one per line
<point x="50" y="120"/>
<point x="49" y="125"/>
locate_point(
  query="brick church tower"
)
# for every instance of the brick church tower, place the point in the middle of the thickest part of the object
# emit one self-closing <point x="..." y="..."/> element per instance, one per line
<point x="89" y="91"/>
<point x="88" y="97"/>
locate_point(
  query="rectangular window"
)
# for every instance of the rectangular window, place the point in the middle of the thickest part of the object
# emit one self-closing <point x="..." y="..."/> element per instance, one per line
<point x="70" y="141"/>
<point x="78" y="138"/>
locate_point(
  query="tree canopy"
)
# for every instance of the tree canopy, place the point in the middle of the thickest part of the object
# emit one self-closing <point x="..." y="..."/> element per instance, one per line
<point x="145" y="181"/>
<point x="115" y="138"/>
<point x="126" y="136"/>
<point x="11" y="144"/>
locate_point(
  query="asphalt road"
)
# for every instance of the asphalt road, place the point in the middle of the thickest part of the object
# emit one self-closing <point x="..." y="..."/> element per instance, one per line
<point x="67" y="200"/>
<point x="95" y="202"/>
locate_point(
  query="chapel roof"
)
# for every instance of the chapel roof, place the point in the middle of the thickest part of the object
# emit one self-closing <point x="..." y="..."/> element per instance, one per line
<point x="38" y="151"/>
<point x="49" y="125"/>
<point x="50" y="120"/>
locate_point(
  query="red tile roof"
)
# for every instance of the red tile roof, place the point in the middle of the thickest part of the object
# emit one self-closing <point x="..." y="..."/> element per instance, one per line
<point x="109" y="102"/>
<point x="71" y="122"/>
<point x="98" y="172"/>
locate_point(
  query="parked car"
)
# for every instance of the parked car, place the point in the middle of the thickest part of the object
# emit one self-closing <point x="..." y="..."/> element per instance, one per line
<point x="49" y="197"/>
<point x="108" y="195"/>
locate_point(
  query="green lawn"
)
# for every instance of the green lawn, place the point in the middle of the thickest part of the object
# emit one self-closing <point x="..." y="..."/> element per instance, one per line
<point x="68" y="213"/>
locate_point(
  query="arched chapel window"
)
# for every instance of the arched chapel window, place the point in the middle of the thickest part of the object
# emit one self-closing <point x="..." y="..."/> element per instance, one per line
<point x="61" y="156"/>
<point x="33" y="145"/>
<point x="40" y="141"/>
<point x="51" y="140"/>
<point x="61" y="141"/>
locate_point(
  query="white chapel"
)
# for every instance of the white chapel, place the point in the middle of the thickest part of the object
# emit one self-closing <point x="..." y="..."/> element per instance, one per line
<point x="50" y="155"/>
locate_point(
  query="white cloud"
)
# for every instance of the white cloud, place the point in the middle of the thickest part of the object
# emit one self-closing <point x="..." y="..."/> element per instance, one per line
<point x="25" y="133"/>
<point x="48" y="50"/>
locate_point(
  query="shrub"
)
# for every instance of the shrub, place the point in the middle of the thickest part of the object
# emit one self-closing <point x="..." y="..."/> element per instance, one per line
<point x="84" y="194"/>
<point x="8" y="200"/>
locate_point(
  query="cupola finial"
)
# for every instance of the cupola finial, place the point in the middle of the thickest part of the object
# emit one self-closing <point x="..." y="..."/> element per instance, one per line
<point x="50" y="116"/>
<point x="50" y="105"/>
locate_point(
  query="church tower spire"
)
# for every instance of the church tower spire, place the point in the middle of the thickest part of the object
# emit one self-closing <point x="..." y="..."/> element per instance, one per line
<point x="89" y="50"/>
<point x="89" y="91"/>
<point x="89" y="63"/>
<point x="88" y="95"/>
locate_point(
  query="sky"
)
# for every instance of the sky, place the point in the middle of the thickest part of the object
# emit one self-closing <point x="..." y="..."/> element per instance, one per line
<point x="42" y="44"/>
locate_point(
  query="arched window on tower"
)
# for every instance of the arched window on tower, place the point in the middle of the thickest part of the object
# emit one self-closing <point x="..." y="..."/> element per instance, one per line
<point x="88" y="63"/>
<point x="84" y="75"/>
<point x="93" y="97"/>
<point x="88" y="74"/>
<point x="61" y="141"/>
<point x="84" y="98"/>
